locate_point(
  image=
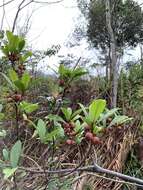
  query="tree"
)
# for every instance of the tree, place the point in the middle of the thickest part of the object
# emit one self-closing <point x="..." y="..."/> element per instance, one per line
<point x="113" y="53"/>
<point x="120" y="24"/>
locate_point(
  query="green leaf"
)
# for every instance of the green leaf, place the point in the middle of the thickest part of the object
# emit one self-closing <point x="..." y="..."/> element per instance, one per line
<point x="78" y="126"/>
<point x="95" y="109"/>
<point x="28" y="107"/>
<point x="19" y="85"/>
<point x="52" y="117"/>
<point x="96" y="129"/>
<point x="83" y="109"/>
<point x="9" y="36"/>
<point x="108" y="114"/>
<point x="15" y="153"/>
<point x="55" y="134"/>
<point x="120" y="119"/>
<point x="26" y="56"/>
<point x="25" y="80"/>
<point x="8" y="172"/>
<point x="12" y="75"/>
<point x="67" y="113"/>
<point x="9" y="81"/>
<point x="5" y="153"/>
<point x="21" y="45"/>
<point x="41" y="128"/>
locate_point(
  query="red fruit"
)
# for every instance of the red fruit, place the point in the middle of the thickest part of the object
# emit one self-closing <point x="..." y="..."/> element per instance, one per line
<point x="70" y="142"/>
<point x="89" y="136"/>
<point x="68" y="130"/>
<point x="61" y="82"/>
<point x="66" y="125"/>
<point x="73" y="142"/>
<point x="17" y="97"/>
<point x="96" y="140"/>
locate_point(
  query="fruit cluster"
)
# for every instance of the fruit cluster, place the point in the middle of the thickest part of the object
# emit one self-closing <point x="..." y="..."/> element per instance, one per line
<point x="14" y="98"/>
<point x="90" y="136"/>
<point x="69" y="131"/>
<point x="13" y="57"/>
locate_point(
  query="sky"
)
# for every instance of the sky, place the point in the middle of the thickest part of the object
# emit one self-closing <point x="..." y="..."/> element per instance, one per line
<point x="53" y="25"/>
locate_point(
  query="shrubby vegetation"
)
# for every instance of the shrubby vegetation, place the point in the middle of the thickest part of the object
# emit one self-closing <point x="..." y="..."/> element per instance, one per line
<point x="53" y="127"/>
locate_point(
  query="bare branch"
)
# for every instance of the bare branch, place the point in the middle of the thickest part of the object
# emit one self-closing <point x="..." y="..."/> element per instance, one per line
<point x="18" y="11"/>
<point x="49" y="3"/>
<point x="6" y="3"/>
<point x="3" y="15"/>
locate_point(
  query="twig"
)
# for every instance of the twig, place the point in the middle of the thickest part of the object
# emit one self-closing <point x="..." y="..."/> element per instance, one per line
<point x="49" y="3"/>
<point x="3" y="15"/>
<point x="17" y="14"/>
<point x="6" y="3"/>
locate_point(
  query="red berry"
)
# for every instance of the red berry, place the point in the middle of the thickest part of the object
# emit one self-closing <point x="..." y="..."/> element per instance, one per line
<point x="70" y="142"/>
<point x="61" y="82"/>
<point x="17" y="97"/>
<point x="96" y="140"/>
<point x="89" y="136"/>
<point x="73" y="142"/>
<point x="68" y="130"/>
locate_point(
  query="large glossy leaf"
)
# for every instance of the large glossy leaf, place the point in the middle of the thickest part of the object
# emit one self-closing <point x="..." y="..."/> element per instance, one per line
<point x="96" y="108"/>
<point x="15" y="154"/>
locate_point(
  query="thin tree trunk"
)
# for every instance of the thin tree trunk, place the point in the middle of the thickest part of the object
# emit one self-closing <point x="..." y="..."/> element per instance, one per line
<point x="113" y="55"/>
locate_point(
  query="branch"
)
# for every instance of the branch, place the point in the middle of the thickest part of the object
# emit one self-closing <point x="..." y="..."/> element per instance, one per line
<point x="18" y="11"/>
<point x="49" y="3"/>
<point x="93" y="169"/>
<point x="6" y="3"/>
<point x="3" y="15"/>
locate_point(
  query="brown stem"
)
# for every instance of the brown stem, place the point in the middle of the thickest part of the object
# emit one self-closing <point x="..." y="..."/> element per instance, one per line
<point x="15" y="184"/>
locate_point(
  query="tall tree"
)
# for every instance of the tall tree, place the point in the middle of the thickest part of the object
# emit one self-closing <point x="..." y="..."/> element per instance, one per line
<point x="113" y="26"/>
